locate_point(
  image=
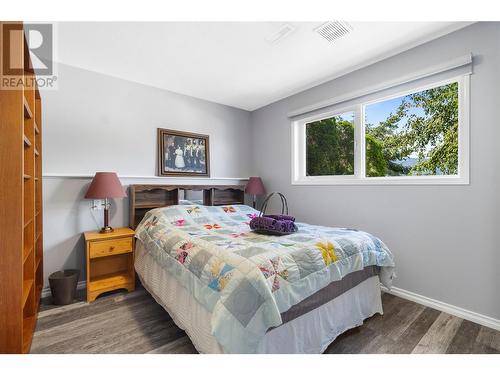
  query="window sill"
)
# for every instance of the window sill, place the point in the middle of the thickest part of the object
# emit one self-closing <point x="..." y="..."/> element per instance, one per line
<point x="403" y="180"/>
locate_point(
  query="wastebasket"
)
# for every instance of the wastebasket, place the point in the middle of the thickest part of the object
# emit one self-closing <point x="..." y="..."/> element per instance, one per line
<point x="63" y="286"/>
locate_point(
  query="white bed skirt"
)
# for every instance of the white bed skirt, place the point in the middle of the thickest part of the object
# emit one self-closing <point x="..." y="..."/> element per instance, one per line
<point x="310" y="333"/>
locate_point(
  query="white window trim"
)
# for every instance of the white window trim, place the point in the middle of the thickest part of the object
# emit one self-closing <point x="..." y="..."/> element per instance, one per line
<point x="298" y="148"/>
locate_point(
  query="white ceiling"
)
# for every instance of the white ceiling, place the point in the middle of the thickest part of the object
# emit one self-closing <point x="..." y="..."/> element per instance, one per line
<point x="234" y="63"/>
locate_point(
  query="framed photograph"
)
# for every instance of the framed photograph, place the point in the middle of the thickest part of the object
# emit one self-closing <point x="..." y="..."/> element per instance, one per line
<point x="183" y="154"/>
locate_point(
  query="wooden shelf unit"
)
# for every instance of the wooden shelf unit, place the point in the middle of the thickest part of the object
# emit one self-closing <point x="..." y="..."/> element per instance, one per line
<point x="21" y="222"/>
<point x="143" y="198"/>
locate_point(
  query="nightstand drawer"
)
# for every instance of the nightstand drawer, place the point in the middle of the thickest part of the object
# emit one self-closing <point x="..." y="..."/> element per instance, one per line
<point x="110" y="247"/>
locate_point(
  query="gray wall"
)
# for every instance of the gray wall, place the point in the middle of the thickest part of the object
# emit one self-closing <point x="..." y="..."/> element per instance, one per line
<point x="445" y="238"/>
<point x="95" y="123"/>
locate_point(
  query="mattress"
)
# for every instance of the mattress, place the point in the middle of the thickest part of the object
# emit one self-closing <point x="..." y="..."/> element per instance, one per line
<point x="308" y="329"/>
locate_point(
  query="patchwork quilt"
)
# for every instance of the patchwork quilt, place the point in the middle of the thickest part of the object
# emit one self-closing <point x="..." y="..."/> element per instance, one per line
<point x="246" y="280"/>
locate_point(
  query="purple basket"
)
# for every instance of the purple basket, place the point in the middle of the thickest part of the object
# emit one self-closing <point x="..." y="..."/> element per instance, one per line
<point x="277" y="225"/>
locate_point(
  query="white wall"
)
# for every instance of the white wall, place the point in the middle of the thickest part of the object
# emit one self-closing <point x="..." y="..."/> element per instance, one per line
<point x="95" y="123"/>
<point x="445" y="238"/>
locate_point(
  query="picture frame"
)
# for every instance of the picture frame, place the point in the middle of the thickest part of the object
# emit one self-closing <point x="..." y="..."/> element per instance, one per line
<point x="183" y="154"/>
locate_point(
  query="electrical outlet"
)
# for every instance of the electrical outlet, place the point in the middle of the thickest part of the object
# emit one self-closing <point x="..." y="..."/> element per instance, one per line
<point x="97" y="204"/>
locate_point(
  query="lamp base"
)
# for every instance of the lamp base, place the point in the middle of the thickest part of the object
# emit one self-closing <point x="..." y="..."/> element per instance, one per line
<point x="106" y="229"/>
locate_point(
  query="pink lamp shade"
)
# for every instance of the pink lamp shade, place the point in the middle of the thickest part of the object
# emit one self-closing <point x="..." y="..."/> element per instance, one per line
<point x="255" y="186"/>
<point x="105" y="185"/>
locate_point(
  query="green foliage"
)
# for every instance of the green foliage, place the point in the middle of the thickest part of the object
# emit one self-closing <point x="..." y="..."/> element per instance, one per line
<point x="330" y="147"/>
<point x="376" y="163"/>
<point x="424" y="126"/>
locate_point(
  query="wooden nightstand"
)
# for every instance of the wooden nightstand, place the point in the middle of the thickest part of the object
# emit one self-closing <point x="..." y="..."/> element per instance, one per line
<point x="110" y="261"/>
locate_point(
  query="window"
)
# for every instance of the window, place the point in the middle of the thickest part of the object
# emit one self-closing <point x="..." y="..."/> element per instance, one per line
<point x="330" y="146"/>
<point x="414" y="137"/>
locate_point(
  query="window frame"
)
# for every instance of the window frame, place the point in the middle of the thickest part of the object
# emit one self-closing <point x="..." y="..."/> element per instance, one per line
<point x="298" y="137"/>
<point x="330" y="114"/>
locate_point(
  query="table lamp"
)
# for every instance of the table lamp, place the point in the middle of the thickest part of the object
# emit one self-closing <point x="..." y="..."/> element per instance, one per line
<point x="105" y="185"/>
<point x="255" y="187"/>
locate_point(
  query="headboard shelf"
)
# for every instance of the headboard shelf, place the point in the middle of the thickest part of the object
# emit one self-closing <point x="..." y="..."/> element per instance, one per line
<point x="148" y="205"/>
<point x="220" y="197"/>
<point x="147" y="197"/>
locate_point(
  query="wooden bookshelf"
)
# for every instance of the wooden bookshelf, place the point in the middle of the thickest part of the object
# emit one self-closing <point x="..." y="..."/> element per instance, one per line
<point x="21" y="221"/>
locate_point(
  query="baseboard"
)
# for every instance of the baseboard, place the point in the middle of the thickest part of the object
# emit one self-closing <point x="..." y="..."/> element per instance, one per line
<point x="46" y="291"/>
<point x="445" y="307"/>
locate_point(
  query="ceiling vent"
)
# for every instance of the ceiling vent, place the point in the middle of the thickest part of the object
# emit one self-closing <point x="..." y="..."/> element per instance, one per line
<point x="285" y="30"/>
<point x="333" y="30"/>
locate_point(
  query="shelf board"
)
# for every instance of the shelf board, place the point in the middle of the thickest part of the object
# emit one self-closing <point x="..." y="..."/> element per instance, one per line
<point x="36" y="178"/>
<point x="27" y="142"/>
<point x="36" y="152"/>
<point x="38" y="236"/>
<point x="37" y="131"/>
<point x="104" y="281"/>
<point x="26" y="176"/>
<point x="27" y="284"/>
<point x="28" y="222"/>
<point x="152" y="205"/>
<point x="27" y="111"/>
<point x="27" y="254"/>
<point x="38" y="261"/>
<point x="226" y="203"/>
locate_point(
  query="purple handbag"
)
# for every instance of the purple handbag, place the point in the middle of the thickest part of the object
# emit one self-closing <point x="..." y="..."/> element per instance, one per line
<point x="277" y="225"/>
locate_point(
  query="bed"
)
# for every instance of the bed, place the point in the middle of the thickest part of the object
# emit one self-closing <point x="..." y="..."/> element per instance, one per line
<point x="235" y="291"/>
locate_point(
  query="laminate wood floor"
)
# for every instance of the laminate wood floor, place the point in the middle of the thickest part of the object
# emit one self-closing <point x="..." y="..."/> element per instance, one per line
<point x="135" y="323"/>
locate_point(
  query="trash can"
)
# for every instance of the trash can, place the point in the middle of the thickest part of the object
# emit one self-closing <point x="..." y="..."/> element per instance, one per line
<point x="63" y="286"/>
